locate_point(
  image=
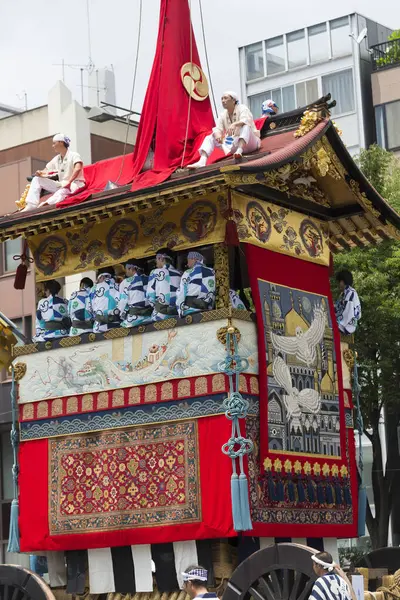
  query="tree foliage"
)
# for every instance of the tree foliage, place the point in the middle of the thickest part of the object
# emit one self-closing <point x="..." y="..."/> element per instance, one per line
<point x="376" y="272"/>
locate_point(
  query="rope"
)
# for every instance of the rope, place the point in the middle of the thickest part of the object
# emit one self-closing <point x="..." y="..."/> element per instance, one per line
<point x="190" y="95"/>
<point x="128" y="120"/>
<point x="206" y="53"/>
<point x="13" y="540"/>
<point x="359" y="418"/>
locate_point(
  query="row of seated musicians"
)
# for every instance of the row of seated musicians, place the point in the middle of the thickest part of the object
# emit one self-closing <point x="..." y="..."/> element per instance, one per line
<point x="137" y="300"/>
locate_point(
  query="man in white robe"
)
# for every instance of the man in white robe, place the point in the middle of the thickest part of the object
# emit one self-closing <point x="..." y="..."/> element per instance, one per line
<point x="196" y="291"/>
<point x="67" y="166"/>
<point x="133" y="305"/>
<point x="52" y="314"/>
<point x="81" y="321"/>
<point x="163" y="284"/>
<point x="348" y="305"/>
<point x="235" y="132"/>
<point x="103" y="301"/>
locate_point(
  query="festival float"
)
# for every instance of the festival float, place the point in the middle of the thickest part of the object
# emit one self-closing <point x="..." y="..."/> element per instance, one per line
<point x="224" y="438"/>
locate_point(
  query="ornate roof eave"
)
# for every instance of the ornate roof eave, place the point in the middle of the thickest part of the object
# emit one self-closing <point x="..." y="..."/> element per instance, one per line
<point x="365" y="219"/>
<point x="108" y="204"/>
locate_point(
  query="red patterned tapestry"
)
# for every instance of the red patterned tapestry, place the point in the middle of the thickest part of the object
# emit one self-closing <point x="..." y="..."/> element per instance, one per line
<point x="149" y="484"/>
<point x="306" y="451"/>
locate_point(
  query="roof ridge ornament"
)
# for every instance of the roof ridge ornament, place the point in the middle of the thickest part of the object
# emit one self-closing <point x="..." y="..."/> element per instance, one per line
<point x="314" y="115"/>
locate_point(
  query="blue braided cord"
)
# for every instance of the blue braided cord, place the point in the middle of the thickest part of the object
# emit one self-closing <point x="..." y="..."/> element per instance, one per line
<point x="235" y="406"/>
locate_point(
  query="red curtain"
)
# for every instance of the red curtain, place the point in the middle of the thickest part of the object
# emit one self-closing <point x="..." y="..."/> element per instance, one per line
<point x="216" y="519"/>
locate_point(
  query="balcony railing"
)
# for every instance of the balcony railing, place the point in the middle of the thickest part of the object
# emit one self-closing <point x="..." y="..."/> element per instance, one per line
<point x="386" y="55"/>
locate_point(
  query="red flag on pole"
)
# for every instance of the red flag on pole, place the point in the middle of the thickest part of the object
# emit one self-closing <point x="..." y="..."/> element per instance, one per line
<point x="177" y="112"/>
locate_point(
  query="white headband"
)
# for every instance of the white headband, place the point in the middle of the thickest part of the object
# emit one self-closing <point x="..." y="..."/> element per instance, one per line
<point x="60" y="137"/>
<point x="328" y="566"/>
<point x="232" y="94"/>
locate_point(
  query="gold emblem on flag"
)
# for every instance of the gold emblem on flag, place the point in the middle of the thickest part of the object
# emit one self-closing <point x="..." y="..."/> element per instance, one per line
<point x="194" y="81"/>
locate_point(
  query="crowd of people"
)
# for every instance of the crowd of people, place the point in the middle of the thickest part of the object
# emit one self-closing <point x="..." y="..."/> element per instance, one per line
<point x="137" y="300"/>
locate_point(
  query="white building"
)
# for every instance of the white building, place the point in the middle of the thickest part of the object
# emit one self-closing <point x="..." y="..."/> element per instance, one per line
<point x="298" y="67"/>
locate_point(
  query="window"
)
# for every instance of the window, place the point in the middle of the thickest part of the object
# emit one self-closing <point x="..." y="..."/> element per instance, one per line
<point x="340" y="37"/>
<point x="297" y="49"/>
<point x="288" y="98"/>
<point x="27" y="331"/>
<point x="318" y="43"/>
<point x="392" y="124"/>
<point x="306" y="92"/>
<point x="10" y="249"/>
<point x="380" y="126"/>
<point x="276" y="62"/>
<point x="254" y="61"/>
<point x="340" y="86"/>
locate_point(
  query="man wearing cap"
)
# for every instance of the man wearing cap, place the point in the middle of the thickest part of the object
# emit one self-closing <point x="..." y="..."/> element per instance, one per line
<point x="235" y="132"/>
<point x="329" y="585"/>
<point x="103" y="299"/>
<point x="67" y="165"/>
<point x="81" y="321"/>
<point x="195" y="582"/>
<point x="197" y="288"/>
<point x="269" y="107"/>
<point x="163" y="283"/>
<point x="133" y="305"/>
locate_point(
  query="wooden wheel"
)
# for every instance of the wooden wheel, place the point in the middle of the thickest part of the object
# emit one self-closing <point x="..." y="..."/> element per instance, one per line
<point x="279" y="572"/>
<point x="17" y="583"/>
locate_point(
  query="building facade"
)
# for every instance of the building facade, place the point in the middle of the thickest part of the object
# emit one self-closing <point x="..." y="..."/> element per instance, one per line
<point x="298" y="67"/>
<point x="386" y="93"/>
<point x="25" y="147"/>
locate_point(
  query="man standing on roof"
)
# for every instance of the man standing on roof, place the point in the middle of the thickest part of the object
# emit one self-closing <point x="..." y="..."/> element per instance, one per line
<point x="195" y="583"/>
<point x="196" y="291"/>
<point x="329" y="585"/>
<point x="133" y="305"/>
<point x="348" y="306"/>
<point x="67" y="165"/>
<point x="235" y="132"/>
<point x="163" y="284"/>
<point x="102" y="302"/>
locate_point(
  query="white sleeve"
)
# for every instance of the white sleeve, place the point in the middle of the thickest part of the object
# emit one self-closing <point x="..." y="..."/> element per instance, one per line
<point x="245" y="116"/>
<point x="219" y="125"/>
<point x="76" y="158"/>
<point x="52" y="165"/>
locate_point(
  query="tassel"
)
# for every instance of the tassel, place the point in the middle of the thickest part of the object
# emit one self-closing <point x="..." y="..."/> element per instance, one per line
<point x="329" y="493"/>
<point x="300" y="491"/>
<point x="338" y="492"/>
<point x="347" y="495"/>
<point x="231" y="234"/>
<point x="310" y="490"/>
<point x="290" y="488"/>
<point x="280" y="493"/>
<point x="235" y="494"/>
<point x="362" y="510"/>
<point x="22" y="269"/>
<point x="271" y="488"/>
<point x="13" y="540"/>
<point x="320" y="493"/>
<point x="244" y="503"/>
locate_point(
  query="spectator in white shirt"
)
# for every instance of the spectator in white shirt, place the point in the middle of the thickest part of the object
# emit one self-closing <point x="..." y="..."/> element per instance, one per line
<point x="235" y="132"/>
<point x="67" y="165"/>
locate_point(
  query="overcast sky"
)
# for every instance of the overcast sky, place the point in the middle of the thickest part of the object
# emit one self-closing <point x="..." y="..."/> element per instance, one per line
<point x="37" y="34"/>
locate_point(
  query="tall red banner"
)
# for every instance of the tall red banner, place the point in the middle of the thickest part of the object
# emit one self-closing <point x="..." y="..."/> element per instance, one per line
<point x="306" y="443"/>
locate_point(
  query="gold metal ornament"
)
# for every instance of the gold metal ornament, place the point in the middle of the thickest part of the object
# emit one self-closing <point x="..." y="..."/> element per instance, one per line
<point x="19" y="370"/>
<point x="194" y="81"/>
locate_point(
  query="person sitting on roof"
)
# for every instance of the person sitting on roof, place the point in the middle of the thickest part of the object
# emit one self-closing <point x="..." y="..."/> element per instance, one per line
<point x="52" y="314"/>
<point x="269" y="107"/>
<point x="81" y="320"/>
<point x="348" y="306"/>
<point x="133" y="305"/>
<point x="196" y="291"/>
<point x="163" y="283"/>
<point x="235" y="132"/>
<point x="103" y="299"/>
<point x="67" y="165"/>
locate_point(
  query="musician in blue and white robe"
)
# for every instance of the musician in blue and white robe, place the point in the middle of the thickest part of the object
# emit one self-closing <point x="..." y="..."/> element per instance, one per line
<point x="329" y="585"/>
<point x="348" y="306"/>
<point x="197" y="288"/>
<point x="51" y="314"/>
<point x="163" y="284"/>
<point x="103" y="300"/>
<point x="133" y="305"/>
<point x="235" y="300"/>
<point x="81" y="319"/>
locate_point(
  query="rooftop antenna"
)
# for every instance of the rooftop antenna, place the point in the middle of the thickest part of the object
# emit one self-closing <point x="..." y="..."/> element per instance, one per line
<point x="23" y="96"/>
<point x="89" y="67"/>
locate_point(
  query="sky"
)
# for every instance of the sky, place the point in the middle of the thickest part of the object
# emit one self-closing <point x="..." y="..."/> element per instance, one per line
<point x="37" y="35"/>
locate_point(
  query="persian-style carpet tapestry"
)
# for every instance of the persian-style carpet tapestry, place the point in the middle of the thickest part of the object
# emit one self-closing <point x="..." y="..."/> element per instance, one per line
<point x="307" y="473"/>
<point x="125" y="478"/>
